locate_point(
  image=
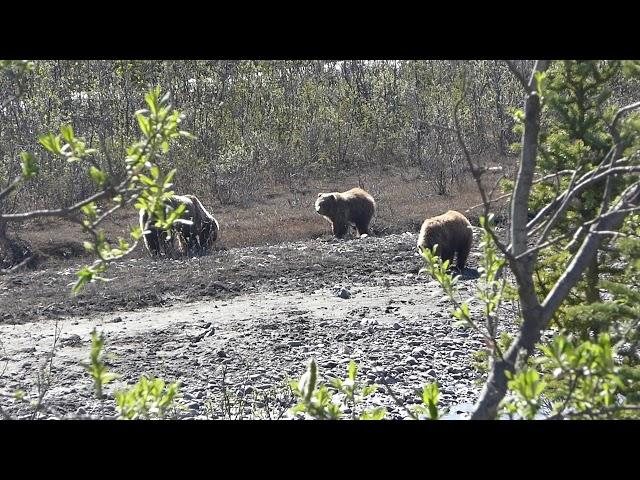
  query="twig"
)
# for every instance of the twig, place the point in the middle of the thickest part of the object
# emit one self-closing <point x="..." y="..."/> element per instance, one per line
<point x="518" y="75"/>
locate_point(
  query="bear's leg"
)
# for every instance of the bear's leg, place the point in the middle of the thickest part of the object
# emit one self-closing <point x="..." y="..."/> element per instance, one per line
<point x="446" y="254"/>
<point x="362" y="228"/>
<point x="339" y="228"/>
<point x="153" y="243"/>
<point x="463" y="254"/>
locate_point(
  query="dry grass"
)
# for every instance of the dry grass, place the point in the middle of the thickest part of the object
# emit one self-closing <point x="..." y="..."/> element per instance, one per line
<point x="404" y="200"/>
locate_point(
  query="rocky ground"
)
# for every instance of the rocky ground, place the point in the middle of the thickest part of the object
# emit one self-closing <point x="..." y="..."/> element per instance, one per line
<point x="235" y="326"/>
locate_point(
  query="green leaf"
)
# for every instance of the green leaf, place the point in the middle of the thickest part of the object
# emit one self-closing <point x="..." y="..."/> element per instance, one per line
<point x="29" y="165"/>
<point x="377" y="413"/>
<point x="187" y="134"/>
<point x="143" y="122"/>
<point x="152" y="100"/>
<point x="353" y="369"/>
<point x="540" y="77"/>
<point x="67" y="133"/>
<point x="308" y="380"/>
<point x="97" y="175"/>
<point x="168" y="178"/>
<point x="51" y="143"/>
<point x="146" y="180"/>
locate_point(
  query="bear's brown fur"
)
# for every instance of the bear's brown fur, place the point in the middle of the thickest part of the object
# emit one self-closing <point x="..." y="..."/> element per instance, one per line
<point x="452" y="232"/>
<point x="196" y="230"/>
<point x="206" y="228"/>
<point x="354" y="207"/>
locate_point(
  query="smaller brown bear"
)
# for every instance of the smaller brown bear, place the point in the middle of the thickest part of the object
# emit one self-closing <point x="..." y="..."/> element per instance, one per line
<point x="354" y="207"/>
<point x="452" y="232"/>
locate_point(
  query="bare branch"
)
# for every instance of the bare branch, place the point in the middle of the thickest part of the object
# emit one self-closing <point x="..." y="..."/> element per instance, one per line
<point x="615" y="234"/>
<point x="11" y="187"/>
<point x="476" y="172"/>
<point x="541" y="66"/>
<point x="622" y="111"/>
<point x="587" y="180"/>
<point x="17" y="267"/>
<point x="65" y="212"/>
<point x="554" y="218"/>
<point x="516" y="73"/>
<point x="555" y="175"/>
<point x="506" y="195"/>
<point x="542" y="246"/>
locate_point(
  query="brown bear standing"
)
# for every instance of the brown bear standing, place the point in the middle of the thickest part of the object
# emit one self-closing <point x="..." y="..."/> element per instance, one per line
<point x="355" y="207"/>
<point x="452" y="232"/>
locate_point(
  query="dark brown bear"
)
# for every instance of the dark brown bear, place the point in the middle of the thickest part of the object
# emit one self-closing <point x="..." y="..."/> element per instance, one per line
<point x="452" y="232"/>
<point x="205" y="228"/>
<point x="355" y="207"/>
<point x="195" y="231"/>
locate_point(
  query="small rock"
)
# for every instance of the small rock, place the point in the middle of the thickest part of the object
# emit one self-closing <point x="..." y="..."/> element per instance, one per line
<point x="343" y="293"/>
<point x="295" y="343"/>
<point x="418" y="352"/>
<point x="71" y="340"/>
<point x="397" y="326"/>
<point x="116" y="320"/>
<point x="410" y="361"/>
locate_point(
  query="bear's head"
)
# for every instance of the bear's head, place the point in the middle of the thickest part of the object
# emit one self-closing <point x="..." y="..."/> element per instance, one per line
<point x="326" y="204"/>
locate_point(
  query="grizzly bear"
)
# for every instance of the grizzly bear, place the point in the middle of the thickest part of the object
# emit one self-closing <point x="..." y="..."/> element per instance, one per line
<point x="195" y="231"/>
<point x="452" y="232"/>
<point x="206" y="228"/>
<point x="354" y="207"/>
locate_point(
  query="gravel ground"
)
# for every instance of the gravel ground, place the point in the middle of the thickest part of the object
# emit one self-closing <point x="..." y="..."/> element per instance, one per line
<point x="234" y="326"/>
